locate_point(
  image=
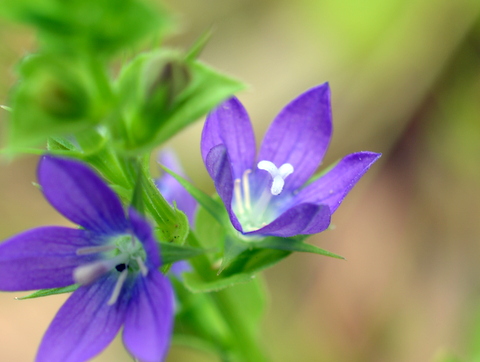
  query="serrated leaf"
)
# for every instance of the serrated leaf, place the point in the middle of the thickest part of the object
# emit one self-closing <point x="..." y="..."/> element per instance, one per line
<point x="173" y="252"/>
<point x="47" y="292"/>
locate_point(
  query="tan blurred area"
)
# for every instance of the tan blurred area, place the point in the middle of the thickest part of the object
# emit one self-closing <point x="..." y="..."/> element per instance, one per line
<point x="405" y="81"/>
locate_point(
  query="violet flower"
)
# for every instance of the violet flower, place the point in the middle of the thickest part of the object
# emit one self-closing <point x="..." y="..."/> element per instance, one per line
<point x="269" y="197"/>
<point x="171" y="189"/>
<point x="114" y="259"/>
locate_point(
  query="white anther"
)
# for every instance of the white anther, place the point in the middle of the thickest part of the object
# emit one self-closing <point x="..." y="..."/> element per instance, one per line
<point x="278" y="174"/>
<point x="86" y="274"/>
<point x="95" y="249"/>
<point x="118" y="287"/>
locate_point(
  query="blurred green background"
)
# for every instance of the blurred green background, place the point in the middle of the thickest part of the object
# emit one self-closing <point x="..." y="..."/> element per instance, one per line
<point x="405" y="80"/>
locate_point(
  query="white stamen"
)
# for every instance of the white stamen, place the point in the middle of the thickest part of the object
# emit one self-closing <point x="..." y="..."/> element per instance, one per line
<point x="86" y="274"/>
<point x="142" y="266"/>
<point x="238" y="195"/>
<point x="278" y="174"/>
<point x="246" y="189"/>
<point x="118" y="287"/>
<point x="95" y="249"/>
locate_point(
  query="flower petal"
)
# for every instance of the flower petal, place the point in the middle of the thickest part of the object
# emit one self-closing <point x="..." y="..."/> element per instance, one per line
<point x="171" y="189"/>
<point x="81" y="195"/>
<point x="219" y="166"/>
<point x="332" y="188"/>
<point x="149" y="319"/>
<point x="43" y="258"/>
<point x="85" y="324"/>
<point x="230" y="125"/>
<point x="143" y="231"/>
<point x="300" y="135"/>
<point x="300" y="219"/>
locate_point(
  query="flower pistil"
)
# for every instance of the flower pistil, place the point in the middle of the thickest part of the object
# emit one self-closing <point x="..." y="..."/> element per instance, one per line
<point x="252" y="218"/>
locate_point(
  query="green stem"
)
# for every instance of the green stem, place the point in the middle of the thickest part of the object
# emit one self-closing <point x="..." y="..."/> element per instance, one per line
<point x="243" y="338"/>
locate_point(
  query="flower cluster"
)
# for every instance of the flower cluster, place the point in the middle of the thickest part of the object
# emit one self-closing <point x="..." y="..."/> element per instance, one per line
<point x="112" y="261"/>
<point x="113" y="258"/>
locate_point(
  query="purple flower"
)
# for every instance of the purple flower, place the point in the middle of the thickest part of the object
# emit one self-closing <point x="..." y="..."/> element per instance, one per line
<point x="114" y="259"/>
<point x="269" y="196"/>
<point x="171" y="189"/>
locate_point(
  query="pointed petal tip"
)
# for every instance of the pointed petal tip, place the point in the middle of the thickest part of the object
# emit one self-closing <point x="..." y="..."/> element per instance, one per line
<point x="365" y="156"/>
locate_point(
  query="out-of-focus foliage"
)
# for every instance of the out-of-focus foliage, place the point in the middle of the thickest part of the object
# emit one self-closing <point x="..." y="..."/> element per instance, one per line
<point x="99" y="27"/>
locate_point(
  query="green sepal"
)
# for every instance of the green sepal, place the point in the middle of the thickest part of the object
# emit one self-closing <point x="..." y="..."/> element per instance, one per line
<point x="52" y="291"/>
<point x="195" y="50"/>
<point x="171" y="224"/>
<point x="253" y="261"/>
<point x="231" y="250"/>
<point x="294" y="244"/>
<point x="172" y="253"/>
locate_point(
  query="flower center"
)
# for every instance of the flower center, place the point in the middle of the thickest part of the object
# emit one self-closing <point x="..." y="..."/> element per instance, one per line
<point x="124" y="253"/>
<point x="254" y="215"/>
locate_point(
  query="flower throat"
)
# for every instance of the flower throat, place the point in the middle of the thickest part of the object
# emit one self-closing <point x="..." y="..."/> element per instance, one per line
<point x="254" y="215"/>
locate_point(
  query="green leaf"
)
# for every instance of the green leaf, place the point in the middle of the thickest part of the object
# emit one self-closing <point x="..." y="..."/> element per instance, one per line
<point x="196" y="285"/>
<point x="197" y="47"/>
<point x="162" y="92"/>
<point x="207" y="89"/>
<point x="47" y="292"/>
<point x="60" y="144"/>
<point x="214" y="207"/>
<point x="172" y="253"/>
<point x="293" y="244"/>
<point x="253" y="261"/>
